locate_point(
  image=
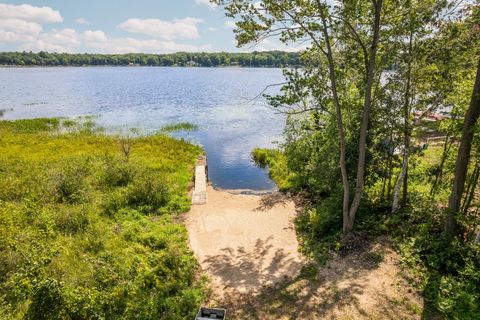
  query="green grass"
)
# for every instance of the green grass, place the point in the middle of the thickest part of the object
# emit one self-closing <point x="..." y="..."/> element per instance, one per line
<point x="277" y="165"/>
<point x="87" y="233"/>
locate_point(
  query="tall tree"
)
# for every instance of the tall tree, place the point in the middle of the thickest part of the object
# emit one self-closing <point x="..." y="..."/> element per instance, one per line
<point x="463" y="157"/>
<point x="343" y="38"/>
<point x="416" y="26"/>
<point x="370" y="69"/>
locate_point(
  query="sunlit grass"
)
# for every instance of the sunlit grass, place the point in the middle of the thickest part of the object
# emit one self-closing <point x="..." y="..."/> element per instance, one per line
<point x="86" y="232"/>
<point x="277" y="165"/>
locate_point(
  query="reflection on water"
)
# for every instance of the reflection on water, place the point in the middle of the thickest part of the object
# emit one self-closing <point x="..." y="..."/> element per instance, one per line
<point x="216" y="99"/>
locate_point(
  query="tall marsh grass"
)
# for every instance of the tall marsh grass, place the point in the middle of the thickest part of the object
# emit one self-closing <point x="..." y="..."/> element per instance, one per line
<point x="86" y="233"/>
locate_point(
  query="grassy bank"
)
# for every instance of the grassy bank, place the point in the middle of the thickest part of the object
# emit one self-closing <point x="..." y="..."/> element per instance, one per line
<point x="278" y="169"/>
<point x="87" y="224"/>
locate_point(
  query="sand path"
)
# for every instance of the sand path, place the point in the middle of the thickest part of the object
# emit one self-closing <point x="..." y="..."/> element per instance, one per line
<point x="244" y="242"/>
<point x="247" y="245"/>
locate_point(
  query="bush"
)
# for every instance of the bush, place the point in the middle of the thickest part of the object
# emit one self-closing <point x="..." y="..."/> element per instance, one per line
<point x="68" y="184"/>
<point x="118" y="172"/>
<point x="261" y="156"/>
<point x="446" y="271"/>
<point x="71" y="220"/>
<point x="319" y="229"/>
<point x="277" y="167"/>
<point x="148" y="193"/>
<point x="46" y="301"/>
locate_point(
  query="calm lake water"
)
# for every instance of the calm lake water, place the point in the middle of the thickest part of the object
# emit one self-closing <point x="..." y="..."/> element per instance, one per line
<point x="218" y="100"/>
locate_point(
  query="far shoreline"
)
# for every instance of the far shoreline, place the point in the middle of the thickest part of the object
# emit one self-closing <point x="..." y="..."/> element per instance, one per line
<point x="138" y="66"/>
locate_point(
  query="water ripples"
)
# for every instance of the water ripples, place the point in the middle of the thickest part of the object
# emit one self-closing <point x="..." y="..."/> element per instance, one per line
<point x="216" y="99"/>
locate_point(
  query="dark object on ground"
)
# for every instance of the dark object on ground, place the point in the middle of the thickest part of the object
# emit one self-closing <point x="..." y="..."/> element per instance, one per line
<point x="210" y="313"/>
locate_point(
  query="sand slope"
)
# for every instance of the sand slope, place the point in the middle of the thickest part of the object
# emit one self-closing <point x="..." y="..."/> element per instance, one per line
<point x="244" y="242"/>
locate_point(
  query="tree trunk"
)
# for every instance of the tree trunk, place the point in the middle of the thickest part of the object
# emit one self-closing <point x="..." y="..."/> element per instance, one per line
<point x="339" y="117"/>
<point x="406" y="110"/>
<point x="471" y="187"/>
<point x="385" y="196"/>
<point x="406" y="144"/>
<point x="463" y="157"/>
<point x="401" y="177"/>
<point x="390" y="169"/>
<point x="362" y="141"/>
<point x="390" y="176"/>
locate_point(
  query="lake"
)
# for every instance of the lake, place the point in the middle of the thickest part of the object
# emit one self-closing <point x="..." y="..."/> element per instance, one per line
<point x="218" y="100"/>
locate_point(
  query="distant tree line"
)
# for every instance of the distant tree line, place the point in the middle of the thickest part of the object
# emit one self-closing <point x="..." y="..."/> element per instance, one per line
<point x="202" y="59"/>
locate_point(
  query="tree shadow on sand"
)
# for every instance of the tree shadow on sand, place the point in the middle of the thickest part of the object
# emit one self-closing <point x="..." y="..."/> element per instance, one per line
<point x="242" y="270"/>
<point x="341" y="289"/>
<point x="268" y="201"/>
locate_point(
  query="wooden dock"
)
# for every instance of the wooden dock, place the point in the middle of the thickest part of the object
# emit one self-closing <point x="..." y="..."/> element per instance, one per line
<point x="199" y="195"/>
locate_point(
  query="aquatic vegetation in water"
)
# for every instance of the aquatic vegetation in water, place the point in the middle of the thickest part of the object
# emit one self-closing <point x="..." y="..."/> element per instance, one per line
<point x="181" y="126"/>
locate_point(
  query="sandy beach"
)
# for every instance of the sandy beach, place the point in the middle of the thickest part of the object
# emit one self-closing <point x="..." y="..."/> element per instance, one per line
<point x="244" y="242"/>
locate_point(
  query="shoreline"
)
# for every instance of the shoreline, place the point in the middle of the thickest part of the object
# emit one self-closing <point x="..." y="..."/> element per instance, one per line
<point x="134" y="66"/>
<point x="247" y="192"/>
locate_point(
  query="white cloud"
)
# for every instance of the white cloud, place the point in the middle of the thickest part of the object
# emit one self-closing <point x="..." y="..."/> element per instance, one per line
<point x="230" y="24"/>
<point x="94" y="36"/>
<point x="167" y="30"/>
<point x="96" y="41"/>
<point x="40" y="45"/>
<point x="20" y="26"/>
<point x="212" y="29"/>
<point x="10" y="36"/>
<point x="16" y="31"/>
<point x="65" y="40"/>
<point x="206" y="3"/>
<point x="66" y="37"/>
<point x="131" y="45"/>
<point x="29" y="13"/>
<point x="99" y="41"/>
<point x="82" y="21"/>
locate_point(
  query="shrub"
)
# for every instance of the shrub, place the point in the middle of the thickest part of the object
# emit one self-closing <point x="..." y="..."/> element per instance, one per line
<point x="149" y="192"/>
<point x="71" y="220"/>
<point x="118" y="172"/>
<point x="261" y="157"/>
<point x="46" y="301"/>
<point x="446" y="271"/>
<point x="319" y="229"/>
<point x="114" y="201"/>
<point x="277" y="167"/>
<point x="68" y="184"/>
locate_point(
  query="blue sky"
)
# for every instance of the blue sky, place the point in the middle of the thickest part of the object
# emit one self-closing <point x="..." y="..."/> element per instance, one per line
<point x="117" y="26"/>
